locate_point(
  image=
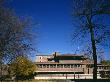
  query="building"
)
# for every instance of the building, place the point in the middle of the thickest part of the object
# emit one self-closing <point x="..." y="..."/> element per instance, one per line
<point x="3" y="71"/>
<point x="66" y="66"/>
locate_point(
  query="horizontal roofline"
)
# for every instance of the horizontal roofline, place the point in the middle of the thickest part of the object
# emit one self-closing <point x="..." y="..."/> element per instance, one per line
<point x="70" y="55"/>
<point x="63" y="55"/>
<point x="60" y="63"/>
<point x="43" y="55"/>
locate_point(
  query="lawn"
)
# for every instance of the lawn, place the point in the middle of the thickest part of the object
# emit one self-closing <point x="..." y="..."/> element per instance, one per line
<point x="76" y="80"/>
<point x="41" y="81"/>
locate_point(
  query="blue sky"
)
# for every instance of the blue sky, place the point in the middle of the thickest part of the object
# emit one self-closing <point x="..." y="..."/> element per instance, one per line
<point x="55" y="23"/>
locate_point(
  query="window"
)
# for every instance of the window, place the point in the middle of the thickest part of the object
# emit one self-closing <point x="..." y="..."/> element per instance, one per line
<point x="72" y="66"/>
<point x="40" y="57"/>
<point x="83" y="69"/>
<point x="75" y="65"/>
<point x="78" y="65"/>
<point x="98" y="72"/>
<point x="38" y="66"/>
<point x="68" y="66"/>
<point x="47" y="66"/>
<point x="44" y="66"/>
<point x="88" y="71"/>
<point x="104" y="67"/>
<point x="51" y="66"/>
<point x="58" y="66"/>
<point x="61" y="66"/>
<point x="54" y="66"/>
<point x="99" y="67"/>
<point x="65" y="66"/>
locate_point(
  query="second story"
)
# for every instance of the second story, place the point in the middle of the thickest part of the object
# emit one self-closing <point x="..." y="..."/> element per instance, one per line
<point x="63" y="59"/>
<point x="67" y="63"/>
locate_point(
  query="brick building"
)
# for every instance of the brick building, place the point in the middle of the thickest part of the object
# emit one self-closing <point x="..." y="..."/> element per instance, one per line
<point x="66" y="66"/>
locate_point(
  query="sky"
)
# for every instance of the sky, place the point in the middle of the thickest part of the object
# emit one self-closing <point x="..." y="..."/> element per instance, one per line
<point x="54" y="27"/>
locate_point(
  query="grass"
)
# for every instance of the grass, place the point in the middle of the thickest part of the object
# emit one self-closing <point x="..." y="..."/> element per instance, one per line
<point x="76" y="80"/>
<point x="40" y="81"/>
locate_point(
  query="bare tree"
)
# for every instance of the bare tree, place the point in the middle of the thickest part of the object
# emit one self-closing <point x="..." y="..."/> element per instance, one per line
<point x="15" y="35"/>
<point x="88" y="12"/>
<point x="87" y="51"/>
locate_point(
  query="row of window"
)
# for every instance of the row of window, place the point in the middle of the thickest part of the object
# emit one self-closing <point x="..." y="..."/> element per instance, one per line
<point x="66" y="66"/>
<point x="103" y="67"/>
<point x="59" y="66"/>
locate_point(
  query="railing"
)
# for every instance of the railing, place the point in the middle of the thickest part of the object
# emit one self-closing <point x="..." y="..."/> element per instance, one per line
<point x="60" y="70"/>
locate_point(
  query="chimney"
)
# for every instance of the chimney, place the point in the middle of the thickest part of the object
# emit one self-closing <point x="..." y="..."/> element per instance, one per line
<point x="55" y="57"/>
<point x="56" y="54"/>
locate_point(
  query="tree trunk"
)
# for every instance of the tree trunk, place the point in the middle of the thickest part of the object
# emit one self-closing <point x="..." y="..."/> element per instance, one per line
<point x="94" y="53"/>
<point x="1" y="71"/>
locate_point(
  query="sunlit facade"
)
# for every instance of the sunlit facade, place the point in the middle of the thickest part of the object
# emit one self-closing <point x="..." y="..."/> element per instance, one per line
<point x="66" y="66"/>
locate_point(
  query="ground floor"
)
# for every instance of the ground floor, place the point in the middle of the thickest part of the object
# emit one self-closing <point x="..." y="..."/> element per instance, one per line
<point x="63" y="75"/>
